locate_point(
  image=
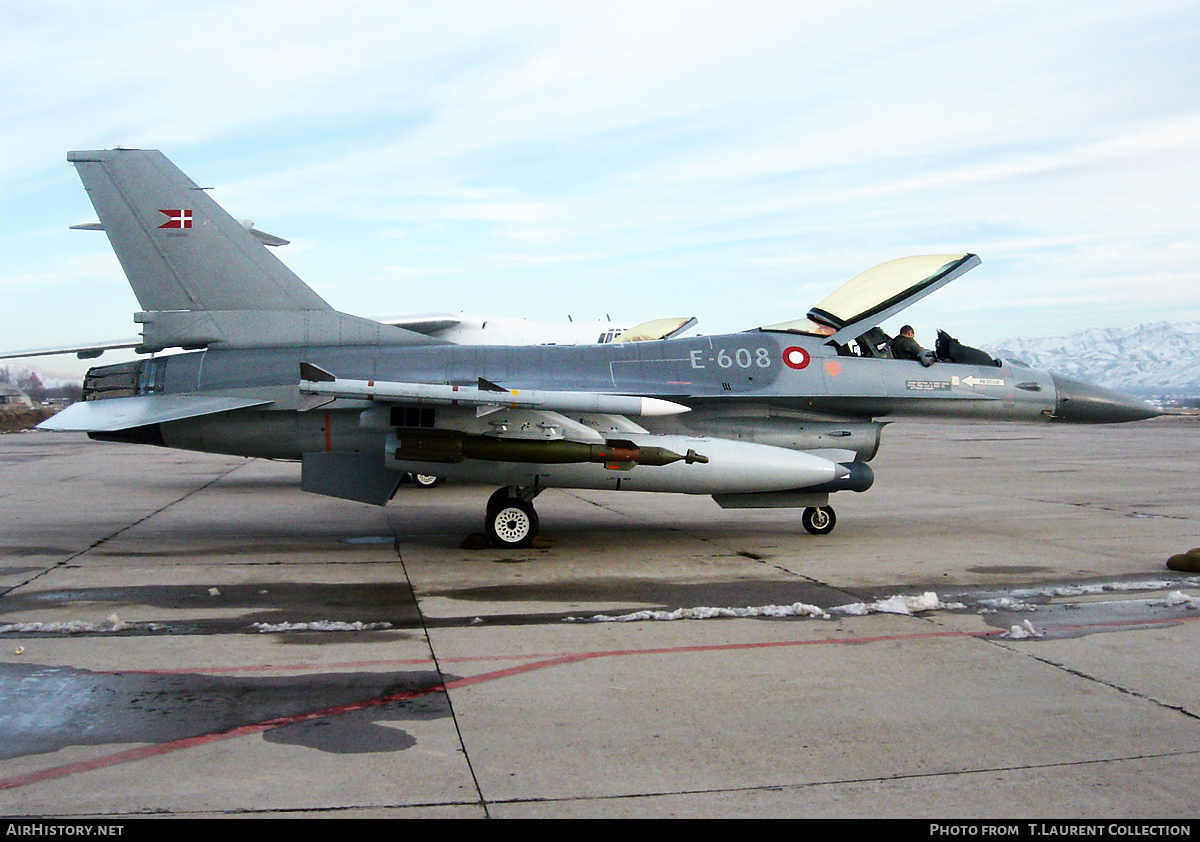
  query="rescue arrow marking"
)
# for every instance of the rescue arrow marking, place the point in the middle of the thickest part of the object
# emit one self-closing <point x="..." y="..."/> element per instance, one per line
<point x="978" y="381"/>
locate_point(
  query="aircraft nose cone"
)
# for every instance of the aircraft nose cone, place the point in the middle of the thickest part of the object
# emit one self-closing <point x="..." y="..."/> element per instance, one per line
<point x="1086" y="403"/>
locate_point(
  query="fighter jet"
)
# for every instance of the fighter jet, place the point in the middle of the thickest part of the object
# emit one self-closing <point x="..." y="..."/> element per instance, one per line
<point x="783" y="416"/>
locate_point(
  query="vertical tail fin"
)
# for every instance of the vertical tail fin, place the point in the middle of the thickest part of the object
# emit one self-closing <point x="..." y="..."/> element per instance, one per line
<point x="204" y="280"/>
<point x="179" y="248"/>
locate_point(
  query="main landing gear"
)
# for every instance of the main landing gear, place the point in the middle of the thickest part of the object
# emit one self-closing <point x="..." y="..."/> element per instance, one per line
<point x="511" y="521"/>
<point x="819" y="520"/>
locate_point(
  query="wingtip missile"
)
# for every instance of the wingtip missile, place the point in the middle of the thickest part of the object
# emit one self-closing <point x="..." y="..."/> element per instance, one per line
<point x="316" y="381"/>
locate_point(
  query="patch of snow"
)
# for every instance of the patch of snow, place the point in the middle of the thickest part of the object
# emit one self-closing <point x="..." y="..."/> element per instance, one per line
<point x="320" y="625"/>
<point x="927" y="601"/>
<point x="1004" y="603"/>
<point x="1023" y="631"/>
<point x="112" y="623"/>
<point x="796" y="609"/>
<point x="892" y="605"/>
<point x="1104" y="587"/>
<point x="1177" y="598"/>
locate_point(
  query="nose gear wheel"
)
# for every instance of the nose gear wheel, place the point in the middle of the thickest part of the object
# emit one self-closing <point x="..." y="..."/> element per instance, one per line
<point x="819" y="521"/>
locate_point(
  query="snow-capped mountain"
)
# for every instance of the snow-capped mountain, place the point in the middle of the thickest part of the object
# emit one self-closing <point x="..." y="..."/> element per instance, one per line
<point x="1151" y="360"/>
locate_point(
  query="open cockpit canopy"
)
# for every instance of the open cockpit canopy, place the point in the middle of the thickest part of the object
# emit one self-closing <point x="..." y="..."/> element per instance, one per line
<point x="870" y="297"/>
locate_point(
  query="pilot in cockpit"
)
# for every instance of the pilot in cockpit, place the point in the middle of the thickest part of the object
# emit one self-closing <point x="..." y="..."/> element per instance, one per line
<point x="906" y="347"/>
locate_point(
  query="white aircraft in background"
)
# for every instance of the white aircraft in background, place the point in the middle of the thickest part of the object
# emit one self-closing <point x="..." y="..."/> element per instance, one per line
<point x="463" y="329"/>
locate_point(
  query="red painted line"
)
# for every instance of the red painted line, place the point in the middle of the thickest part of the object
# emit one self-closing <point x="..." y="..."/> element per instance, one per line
<point x="540" y="662"/>
<point x="133" y="755"/>
<point x="204" y="739"/>
<point x="159" y="749"/>
<point x="334" y="665"/>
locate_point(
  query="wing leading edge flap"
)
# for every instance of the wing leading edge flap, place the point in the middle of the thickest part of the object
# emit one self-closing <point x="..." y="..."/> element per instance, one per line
<point x="114" y="414"/>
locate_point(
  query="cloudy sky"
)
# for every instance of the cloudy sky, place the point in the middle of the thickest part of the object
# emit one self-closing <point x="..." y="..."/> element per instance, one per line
<point x="734" y="161"/>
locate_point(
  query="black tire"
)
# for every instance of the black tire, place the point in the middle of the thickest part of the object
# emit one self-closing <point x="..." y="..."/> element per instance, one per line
<point x="819" y="521"/>
<point x="425" y="480"/>
<point x="511" y="524"/>
<point x="497" y="501"/>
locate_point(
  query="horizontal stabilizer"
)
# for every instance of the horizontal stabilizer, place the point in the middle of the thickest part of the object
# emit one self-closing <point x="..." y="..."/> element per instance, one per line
<point x="113" y="414"/>
<point x="85" y="351"/>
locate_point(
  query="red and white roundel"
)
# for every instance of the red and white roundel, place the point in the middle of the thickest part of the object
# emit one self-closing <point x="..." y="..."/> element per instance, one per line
<point x="794" y="357"/>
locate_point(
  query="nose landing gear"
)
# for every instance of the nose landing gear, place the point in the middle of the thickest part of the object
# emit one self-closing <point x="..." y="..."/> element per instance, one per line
<point x="819" y="520"/>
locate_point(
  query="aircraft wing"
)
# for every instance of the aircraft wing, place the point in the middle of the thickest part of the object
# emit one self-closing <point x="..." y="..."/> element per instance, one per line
<point x="113" y="414"/>
<point x="86" y="351"/>
<point x="871" y="297"/>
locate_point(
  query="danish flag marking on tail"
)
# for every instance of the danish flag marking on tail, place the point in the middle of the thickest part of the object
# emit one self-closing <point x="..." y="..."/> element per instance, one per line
<point x="177" y="218"/>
